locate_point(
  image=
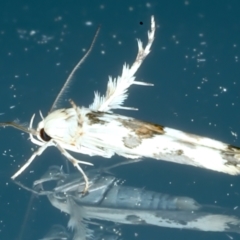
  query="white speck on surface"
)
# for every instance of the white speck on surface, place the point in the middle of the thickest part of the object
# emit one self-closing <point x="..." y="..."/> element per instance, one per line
<point x="234" y="134"/>
<point x="148" y="5"/>
<point x="88" y="23"/>
<point x="33" y="32"/>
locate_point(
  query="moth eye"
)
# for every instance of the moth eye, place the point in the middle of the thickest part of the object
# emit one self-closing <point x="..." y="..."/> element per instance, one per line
<point x="44" y="136"/>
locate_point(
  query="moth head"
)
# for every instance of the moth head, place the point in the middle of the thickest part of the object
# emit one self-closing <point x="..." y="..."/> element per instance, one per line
<point x="60" y="125"/>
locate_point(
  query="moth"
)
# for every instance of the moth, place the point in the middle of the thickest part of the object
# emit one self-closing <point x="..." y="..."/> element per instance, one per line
<point x="98" y="131"/>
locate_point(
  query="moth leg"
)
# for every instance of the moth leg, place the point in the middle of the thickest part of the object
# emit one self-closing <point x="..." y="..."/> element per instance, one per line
<point x="75" y="163"/>
<point x="40" y="192"/>
<point x="29" y="161"/>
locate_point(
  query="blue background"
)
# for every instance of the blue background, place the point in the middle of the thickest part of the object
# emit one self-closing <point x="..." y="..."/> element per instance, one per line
<point x="40" y="43"/>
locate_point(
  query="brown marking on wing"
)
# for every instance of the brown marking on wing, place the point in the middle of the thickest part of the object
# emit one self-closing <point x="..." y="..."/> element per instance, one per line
<point x="94" y="117"/>
<point x="232" y="155"/>
<point x="233" y="148"/>
<point x="179" y="152"/>
<point x="148" y="130"/>
<point x="189" y="144"/>
<point x="142" y="129"/>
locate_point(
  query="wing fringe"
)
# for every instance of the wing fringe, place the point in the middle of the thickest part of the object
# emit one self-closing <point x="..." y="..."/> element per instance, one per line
<point x="117" y="88"/>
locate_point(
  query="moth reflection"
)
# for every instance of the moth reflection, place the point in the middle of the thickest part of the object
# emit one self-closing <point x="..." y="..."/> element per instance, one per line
<point x="108" y="200"/>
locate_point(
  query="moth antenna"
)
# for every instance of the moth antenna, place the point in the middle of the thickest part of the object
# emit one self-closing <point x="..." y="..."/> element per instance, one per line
<point x="54" y="106"/>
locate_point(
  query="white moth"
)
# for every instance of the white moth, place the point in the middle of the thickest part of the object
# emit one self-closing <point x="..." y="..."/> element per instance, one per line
<point x="98" y="131"/>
